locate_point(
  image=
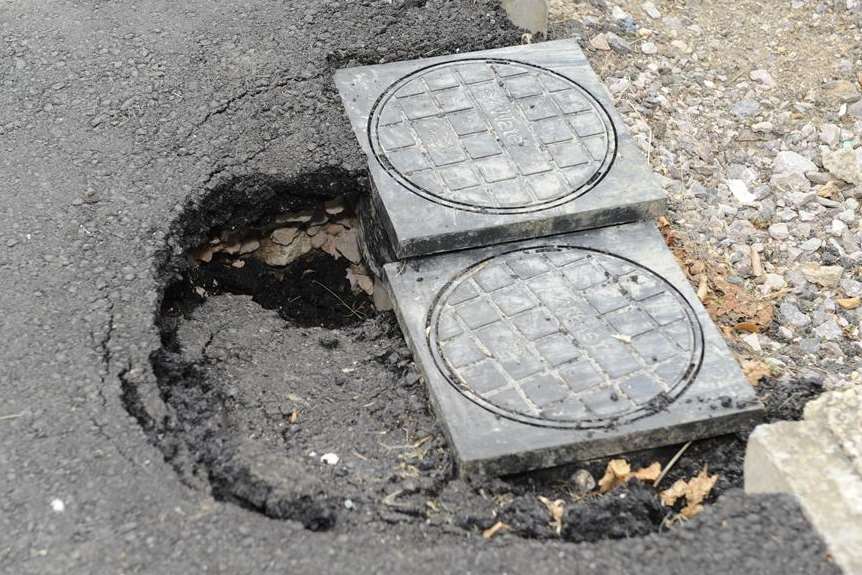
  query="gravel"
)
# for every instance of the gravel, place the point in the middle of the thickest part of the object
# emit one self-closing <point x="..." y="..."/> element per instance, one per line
<point x="759" y="141"/>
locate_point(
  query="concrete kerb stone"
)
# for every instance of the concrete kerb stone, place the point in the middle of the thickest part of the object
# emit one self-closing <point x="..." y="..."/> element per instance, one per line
<point x="530" y="15"/>
<point x="495" y="146"/>
<point x="568" y="348"/>
<point x="819" y="460"/>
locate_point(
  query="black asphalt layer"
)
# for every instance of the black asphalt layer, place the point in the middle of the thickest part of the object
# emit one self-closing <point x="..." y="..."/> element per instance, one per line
<point x="129" y="129"/>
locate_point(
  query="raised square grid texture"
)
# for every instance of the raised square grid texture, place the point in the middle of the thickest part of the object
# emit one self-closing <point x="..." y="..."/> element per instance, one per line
<point x="567" y="348"/>
<point x="514" y="109"/>
<point x="531" y="129"/>
<point x="518" y="333"/>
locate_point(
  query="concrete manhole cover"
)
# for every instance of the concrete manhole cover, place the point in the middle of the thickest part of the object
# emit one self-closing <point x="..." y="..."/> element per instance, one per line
<point x="563" y="336"/>
<point x="492" y="135"/>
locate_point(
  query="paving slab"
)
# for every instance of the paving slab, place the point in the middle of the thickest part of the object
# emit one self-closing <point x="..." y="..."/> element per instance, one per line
<point x="819" y="460"/>
<point x="567" y="348"/>
<point x="498" y="145"/>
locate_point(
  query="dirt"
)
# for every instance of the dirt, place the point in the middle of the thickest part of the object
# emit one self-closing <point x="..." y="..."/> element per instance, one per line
<point x="267" y="370"/>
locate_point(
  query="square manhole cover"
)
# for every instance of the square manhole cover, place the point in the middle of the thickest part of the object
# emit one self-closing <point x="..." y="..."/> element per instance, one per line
<point x="567" y="348"/>
<point x="494" y="146"/>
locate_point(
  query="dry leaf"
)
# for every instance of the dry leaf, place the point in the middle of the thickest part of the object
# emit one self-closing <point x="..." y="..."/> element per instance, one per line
<point x="732" y="304"/>
<point x="556" y="508"/>
<point x="672" y="493"/>
<point x="650" y="473"/>
<point x="698" y="488"/>
<point x="494" y="529"/>
<point x="849" y="302"/>
<point x="727" y="303"/>
<point x="702" y="288"/>
<point x="748" y="326"/>
<point x="695" y="490"/>
<point x="293" y="417"/>
<point x="619" y="471"/>
<point x="755" y="370"/>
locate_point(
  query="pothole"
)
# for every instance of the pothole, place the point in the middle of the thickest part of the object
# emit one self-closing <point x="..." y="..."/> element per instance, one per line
<point x="290" y="394"/>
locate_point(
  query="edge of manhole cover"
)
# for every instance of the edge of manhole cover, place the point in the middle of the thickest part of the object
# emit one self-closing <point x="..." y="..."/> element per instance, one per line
<point x="492" y="135"/>
<point x="561" y="285"/>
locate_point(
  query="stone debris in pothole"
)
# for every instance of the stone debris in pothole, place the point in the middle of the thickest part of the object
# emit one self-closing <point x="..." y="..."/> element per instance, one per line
<point x="332" y="229"/>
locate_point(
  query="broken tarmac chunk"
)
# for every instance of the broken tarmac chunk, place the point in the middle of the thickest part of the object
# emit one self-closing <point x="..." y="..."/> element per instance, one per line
<point x="818" y="460"/>
<point x="567" y="348"/>
<point x="499" y="145"/>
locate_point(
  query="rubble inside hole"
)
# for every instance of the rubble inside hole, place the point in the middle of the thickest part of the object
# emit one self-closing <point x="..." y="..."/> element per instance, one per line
<point x="280" y="263"/>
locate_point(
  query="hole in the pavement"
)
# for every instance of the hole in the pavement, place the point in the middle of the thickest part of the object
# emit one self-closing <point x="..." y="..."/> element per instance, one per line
<point x="306" y="266"/>
<point x="287" y="392"/>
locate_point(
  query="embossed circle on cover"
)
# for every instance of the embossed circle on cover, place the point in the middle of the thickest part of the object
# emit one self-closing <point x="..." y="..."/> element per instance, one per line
<point x="492" y="136"/>
<point x="565" y="336"/>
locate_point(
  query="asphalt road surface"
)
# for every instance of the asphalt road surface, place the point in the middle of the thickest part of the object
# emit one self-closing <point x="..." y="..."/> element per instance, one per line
<point x="122" y="123"/>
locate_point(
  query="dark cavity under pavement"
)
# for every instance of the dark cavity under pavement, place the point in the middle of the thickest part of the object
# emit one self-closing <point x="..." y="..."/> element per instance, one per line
<point x="130" y="131"/>
<point x="267" y="370"/>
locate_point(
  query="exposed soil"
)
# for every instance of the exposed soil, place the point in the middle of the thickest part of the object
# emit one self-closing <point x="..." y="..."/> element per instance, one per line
<point x="270" y="371"/>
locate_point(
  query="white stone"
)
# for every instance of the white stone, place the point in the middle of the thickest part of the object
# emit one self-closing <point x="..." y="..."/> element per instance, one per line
<point x="791" y="162"/>
<point x="774" y="281"/>
<point x="763" y="78"/>
<point x="795" y="181"/>
<point x="329" y="458"/>
<point x="681" y="46"/>
<point x="600" y="42"/>
<point x="829" y="330"/>
<point x="845" y="164"/>
<point x="847" y="216"/>
<point x="830" y="134"/>
<point x="650" y="9"/>
<point x="740" y="191"/>
<point x="618" y="13"/>
<point x="826" y="276"/>
<point x="752" y="341"/>
<point x="618" y="85"/>
<point x="811" y="245"/>
<point x="649" y="48"/>
<point x="763" y="127"/>
<point x="779" y="231"/>
<point x="838" y="228"/>
<point x="742" y="172"/>
<point x="819" y="460"/>
<point x="57" y="505"/>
